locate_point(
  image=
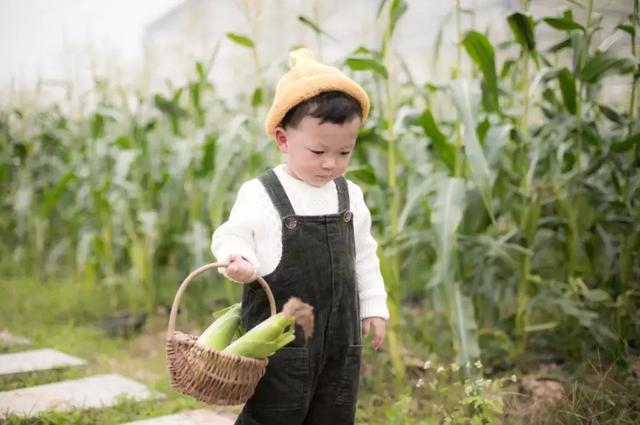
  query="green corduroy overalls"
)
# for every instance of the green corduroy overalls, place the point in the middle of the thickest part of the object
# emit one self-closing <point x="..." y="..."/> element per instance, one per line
<point x="313" y="382"/>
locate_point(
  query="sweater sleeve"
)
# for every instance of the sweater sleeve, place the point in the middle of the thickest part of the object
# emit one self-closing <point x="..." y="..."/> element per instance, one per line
<point x="237" y="234"/>
<point x="373" y="296"/>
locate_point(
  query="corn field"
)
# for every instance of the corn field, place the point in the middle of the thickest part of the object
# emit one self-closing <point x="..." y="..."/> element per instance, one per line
<point x="506" y="201"/>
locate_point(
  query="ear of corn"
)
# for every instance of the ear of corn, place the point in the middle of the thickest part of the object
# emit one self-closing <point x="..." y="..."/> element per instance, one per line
<point x="275" y="332"/>
<point x="221" y="331"/>
<point x="259" y="349"/>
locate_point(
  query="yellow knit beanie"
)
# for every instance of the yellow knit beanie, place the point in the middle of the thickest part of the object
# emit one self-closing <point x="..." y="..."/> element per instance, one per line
<point x="307" y="78"/>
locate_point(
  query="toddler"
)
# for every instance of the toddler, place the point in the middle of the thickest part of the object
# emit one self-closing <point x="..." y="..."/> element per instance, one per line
<point x="307" y="231"/>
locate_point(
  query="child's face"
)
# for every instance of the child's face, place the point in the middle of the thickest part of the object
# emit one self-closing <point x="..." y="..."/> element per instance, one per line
<point x="318" y="153"/>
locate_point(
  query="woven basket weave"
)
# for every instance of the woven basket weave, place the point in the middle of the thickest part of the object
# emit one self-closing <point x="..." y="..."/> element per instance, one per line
<point x="206" y="374"/>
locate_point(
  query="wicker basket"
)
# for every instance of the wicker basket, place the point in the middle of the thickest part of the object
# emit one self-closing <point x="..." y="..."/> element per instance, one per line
<point x="206" y="374"/>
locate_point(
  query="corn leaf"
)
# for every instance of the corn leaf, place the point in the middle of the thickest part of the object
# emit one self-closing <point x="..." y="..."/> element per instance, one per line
<point x="568" y="89"/>
<point x="442" y="149"/>
<point x="241" y="40"/>
<point x="465" y="95"/>
<point x="364" y="64"/>
<point x="481" y="52"/>
<point x="446" y="217"/>
<point x="522" y="28"/>
<point x="604" y="64"/>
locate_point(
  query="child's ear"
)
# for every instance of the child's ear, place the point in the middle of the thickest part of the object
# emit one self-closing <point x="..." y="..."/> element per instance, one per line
<point x="280" y="135"/>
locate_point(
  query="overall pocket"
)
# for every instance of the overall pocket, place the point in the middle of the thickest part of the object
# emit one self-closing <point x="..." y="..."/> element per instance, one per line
<point x="285" y="383"/>
<point x="347" y="392"/>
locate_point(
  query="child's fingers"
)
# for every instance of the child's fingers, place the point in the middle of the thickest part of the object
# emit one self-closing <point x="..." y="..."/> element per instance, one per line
<point x="366" y="324"/>
<point x="239" y="270"/>
<point x="378" y="338"/>
<point x="378" y="326"/>
<point x="377" y="343"/>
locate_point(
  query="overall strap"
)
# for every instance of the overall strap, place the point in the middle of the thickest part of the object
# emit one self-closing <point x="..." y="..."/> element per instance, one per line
<point x="343" y="193"/>
<point x="276" y="192"/>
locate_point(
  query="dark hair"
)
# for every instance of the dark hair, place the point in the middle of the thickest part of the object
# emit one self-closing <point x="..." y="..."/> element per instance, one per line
<point x="336" y="107"/>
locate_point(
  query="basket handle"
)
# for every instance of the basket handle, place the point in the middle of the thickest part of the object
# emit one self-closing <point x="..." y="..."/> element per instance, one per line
<point x="196" y="272"/>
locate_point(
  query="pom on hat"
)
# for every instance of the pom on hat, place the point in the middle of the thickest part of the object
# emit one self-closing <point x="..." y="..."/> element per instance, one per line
<point x="305" y="79"/>
<point x="299" y="55"/>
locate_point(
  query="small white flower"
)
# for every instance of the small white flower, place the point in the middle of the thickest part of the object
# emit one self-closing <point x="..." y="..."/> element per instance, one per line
<point x="478" y="364"/>
<point x="427" y="365"/>
<point x="514" y="378"/>
<point x="420" y="383"/>
<point x="468" y="389"/>
<point x="440" y="369"/>
<point x="455" y="367"/>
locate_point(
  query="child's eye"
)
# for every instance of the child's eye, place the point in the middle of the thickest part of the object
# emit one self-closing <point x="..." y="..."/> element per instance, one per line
<point x="317" y="152"/>
<point x="345" y="153"/>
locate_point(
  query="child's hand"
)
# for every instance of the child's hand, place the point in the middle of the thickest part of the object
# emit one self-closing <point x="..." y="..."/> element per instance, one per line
<point x="377" y="325"/>
<point x="240" y="270"/>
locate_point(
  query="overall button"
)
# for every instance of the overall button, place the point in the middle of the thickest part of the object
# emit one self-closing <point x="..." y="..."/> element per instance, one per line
<point x="290" y="222"/>
<point x="348" y="215"/>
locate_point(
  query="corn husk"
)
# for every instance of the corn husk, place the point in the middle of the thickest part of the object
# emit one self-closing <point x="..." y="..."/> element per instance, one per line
<point x="275" y="332"/>
<point x="219" y="334"/>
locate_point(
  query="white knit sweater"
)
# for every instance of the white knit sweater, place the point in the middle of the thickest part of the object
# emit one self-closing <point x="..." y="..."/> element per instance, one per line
<point x="254" y="230"/>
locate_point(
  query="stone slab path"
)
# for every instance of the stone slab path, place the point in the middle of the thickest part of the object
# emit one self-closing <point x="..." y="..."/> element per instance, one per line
<point x="195" y="417"/>
<point x="36" y="360"/>
<point x="7" y="339"/>
<point x="93" y="391"/>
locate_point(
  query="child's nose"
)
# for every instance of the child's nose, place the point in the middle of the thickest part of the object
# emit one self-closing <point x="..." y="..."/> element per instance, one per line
<point x="329" y="163"/>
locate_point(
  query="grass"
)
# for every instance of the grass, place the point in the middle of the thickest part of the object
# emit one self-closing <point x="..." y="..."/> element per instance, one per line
<point x="66" y="316"/>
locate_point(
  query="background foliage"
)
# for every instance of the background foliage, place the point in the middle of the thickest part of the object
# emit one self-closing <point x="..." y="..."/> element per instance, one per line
<point x="506" y="202"/>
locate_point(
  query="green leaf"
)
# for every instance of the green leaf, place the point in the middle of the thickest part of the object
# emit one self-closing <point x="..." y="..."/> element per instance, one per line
<point x="443" y="150"/>
<point x="398" y="8"/>
<point x="241" y="40"/>
<point x="97" y="126"/>
<point x="626" y="144"/>
<point x="256" y="97"/>
<point x="125" y="142"/>
<point x="564" y="44"/>
<point x="568" y="89"/>
<point x="315" y="27"/>
<point x="200" y="71"/>
<point x="362" y="64"/>
<point x="446" y="217"/>
<point x="506" y="67"/>
<point x="465" y="95"/>
<point x="530" y="219"/>
<point x="364" y="173"/>
<point x="522" y="27"/>
<point x="563" y="24"/>
<point x="541" y="327"/>
<point x="169" y="107"/>
<point x="604" y="64"/>
<point x="612" y="114"/>
<point x="596" y="295"/>
<point x="629" y="29"/>
<point x="482" y="53"/>
<point x="53" y="195"/>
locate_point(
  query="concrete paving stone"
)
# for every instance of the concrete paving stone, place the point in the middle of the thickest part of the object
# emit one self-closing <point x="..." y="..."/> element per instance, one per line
<point x="6" y="338"/>
<point x="36" y="360"/>
<point x="194" y="417"/>
<point x="91" y="392"/>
